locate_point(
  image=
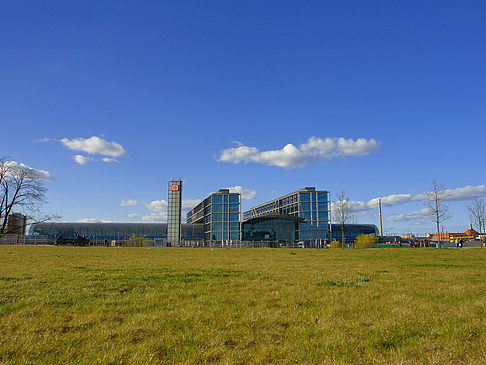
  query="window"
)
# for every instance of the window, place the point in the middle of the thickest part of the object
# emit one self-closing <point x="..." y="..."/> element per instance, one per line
<point x="234" y="198"/>
<point x="322" y="206"/>
<point x="217" y="226"/>
<point x="306" y="215"/>
<point x="234" y="217"/>
<point x="305" y="206"/>
<point x="234" y="226"/>
<point x="322" y="196"/>
<point x="217" y="198"/>
<point x="234" y="208"/>
<point x="234" y="236"/>
<point x="217" y="217"/>
<point x="225" y="198"/>
<point x="217" y="236"/>
<point x="217" y="208"/>
<point x="305" y="197"/>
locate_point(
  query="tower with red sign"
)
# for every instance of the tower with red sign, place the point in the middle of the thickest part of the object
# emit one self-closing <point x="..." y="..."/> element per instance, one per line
<point x="174" y="213"/>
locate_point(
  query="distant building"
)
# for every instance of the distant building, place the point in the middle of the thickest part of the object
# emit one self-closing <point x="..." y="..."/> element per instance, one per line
<point x="469" y="235"/>
<point x="302" y="215"/>
<point x="174" y="213"/>
<point x="219" y="214"/>
<point x="16" y="223"/>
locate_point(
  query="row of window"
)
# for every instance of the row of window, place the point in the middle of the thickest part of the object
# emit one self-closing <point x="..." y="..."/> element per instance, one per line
<point x="233" y="208"/>
<point x="225" y="217"/>
<point x="225" y="198"/>
<point x="225" y="236"/>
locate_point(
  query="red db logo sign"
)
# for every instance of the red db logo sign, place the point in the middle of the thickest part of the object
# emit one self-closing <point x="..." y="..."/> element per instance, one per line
<point x="174" y="188"/>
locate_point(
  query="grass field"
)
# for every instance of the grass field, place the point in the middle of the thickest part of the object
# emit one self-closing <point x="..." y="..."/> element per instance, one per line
<point x="171" y="305"/>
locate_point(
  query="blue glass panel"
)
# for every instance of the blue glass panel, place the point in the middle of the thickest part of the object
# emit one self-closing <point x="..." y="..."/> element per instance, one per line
<point x="217" y="217"/>
<point x="321" y="206"/>
<point x="305" y="206"/>
<point x="234" y="208"/>
<point x="234" y="236"/>
<point x="306" y="215"/>
<point x="314" y="207"/>
<point x="217" y="226"/>
<point x="225" y="206"/>
<point x="217" y="198"/>
<point x="304" y="197"/>
<point x="217" y="236"/>
<point x="234" y="198"/>
<point x="217" y="208"/>
<point x="234" y="226"/>
<point x="234" y="217"/>
<point x="322" y="196"/>
<point x="225" y="198"/>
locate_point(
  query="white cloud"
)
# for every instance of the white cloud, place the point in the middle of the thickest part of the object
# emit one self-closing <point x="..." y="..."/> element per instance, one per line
<point x="133" y="215"/>
<point x="94" y="145"/>
<point x="315" y="150"/>
<point x="465" y="193"/>
<point x="80" y="159"/>
<point x="157" y="206"/>
<point x="155" y="217"/>
<point x="109" y="159"/>
<point x="162" y="205"/>
<point x="160" y="208"/>
<point x="418" y="215"/>
<point x="459" y="194"/>
<point x="128" y="203"/>
<point x="95" y="220"/>
<point x="246" y="193"/>
<point x="14" y="167"/>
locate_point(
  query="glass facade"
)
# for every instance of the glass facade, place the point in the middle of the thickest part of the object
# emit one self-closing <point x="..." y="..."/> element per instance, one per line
<point x="351" y="231"/>
<point x="270" y="228"/>
<point x="310" y="205"/>
<point x="114" y="231"/>
<point x="220" y="214"/>
<point x="174" y="213"/>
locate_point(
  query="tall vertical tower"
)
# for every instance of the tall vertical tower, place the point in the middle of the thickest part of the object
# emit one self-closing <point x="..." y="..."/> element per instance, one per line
<point x="174" y="214"/>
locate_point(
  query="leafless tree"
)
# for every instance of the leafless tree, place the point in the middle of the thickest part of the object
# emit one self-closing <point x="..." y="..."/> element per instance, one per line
<point x="477" y="215"/>
<point x="342" y="212"/>
<point x="21" y="187"/>
<point x="434" y="200"/>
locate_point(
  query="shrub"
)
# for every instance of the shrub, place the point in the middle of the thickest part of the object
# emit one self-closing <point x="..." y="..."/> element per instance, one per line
<point x="365" y="241"/>
<point x="335" y="244"/>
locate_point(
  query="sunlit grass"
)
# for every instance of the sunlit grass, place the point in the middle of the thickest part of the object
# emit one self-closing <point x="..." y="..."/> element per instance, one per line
<point x="139" y="305"/>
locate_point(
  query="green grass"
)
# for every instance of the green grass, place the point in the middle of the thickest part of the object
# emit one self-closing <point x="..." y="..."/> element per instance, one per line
<point x="143" y="305"/>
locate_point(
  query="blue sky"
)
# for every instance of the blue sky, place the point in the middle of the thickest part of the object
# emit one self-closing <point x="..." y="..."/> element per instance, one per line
<point x="375" y="98"/>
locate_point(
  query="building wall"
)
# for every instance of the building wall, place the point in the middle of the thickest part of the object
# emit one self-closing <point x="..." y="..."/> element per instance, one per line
<point x="220" y="214"/>
<point x="174" y="213"/>
<point x="306" y="203"/>
<point x="114" y="231"/>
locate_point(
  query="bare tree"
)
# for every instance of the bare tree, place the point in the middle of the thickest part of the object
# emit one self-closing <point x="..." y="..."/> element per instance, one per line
<point x="477" y="215"/>
<point x="434" y="200"/>
<point x="21" y="187"/>
<point x="342" y="212"/>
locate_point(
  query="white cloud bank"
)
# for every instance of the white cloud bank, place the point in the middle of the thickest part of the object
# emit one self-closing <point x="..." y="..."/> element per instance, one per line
<point x="94" y="145"/>
<point x="458" y="194"/>
<point x="80" y="159"/>
<point x="14" y="167"/>
<point x="246" y="193"/>
<point x="315" y="150"/>
<point x="128" y="203"/>
<point x="422" y="214"/>
<point x="159" y="207"/>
